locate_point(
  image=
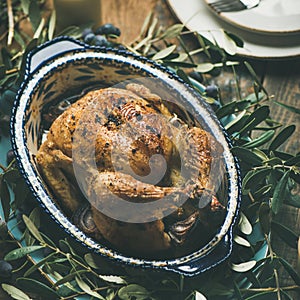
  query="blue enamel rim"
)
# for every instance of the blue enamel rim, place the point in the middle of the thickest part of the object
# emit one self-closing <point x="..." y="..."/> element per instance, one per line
<point x="189" y="265"/>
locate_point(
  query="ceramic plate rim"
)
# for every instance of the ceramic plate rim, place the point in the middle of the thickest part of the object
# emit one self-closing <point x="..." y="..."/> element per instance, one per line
<point x="241" y="18"/>
<point x="187" y="14"/>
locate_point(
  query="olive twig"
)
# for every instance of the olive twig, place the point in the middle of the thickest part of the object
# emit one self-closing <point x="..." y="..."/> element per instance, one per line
<point x="10" y="15"/>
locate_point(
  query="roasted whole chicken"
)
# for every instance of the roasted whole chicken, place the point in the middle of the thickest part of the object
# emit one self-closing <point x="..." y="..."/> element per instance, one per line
<point x="126" y="145"/>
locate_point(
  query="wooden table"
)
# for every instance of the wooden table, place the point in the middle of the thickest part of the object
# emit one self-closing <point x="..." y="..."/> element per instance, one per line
<point x="280" y="78"/>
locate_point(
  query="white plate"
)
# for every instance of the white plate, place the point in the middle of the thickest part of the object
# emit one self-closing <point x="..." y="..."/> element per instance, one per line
<point x="269" y="17"/>
<point x="196" y="15"/>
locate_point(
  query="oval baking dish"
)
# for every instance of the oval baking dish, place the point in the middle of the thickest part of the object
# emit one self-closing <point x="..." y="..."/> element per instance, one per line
<point x="63" y="68"/>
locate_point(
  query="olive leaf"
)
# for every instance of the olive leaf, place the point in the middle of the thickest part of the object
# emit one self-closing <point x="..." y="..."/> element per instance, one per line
<point x="113" y="279"/>
<point x="273" y="161"/>
<point x="263" y="191"/>
<point x="33" y="230"/>
<point x="229" y="44"/>
<point x="164" y="53"/>
<point x="204" y="67"/>
<point x="55" y="266"/>
<point x="34" y="14"/>
<point x="65" y="246"/>
<point x="260" y="140"/>
<point x="282" y="136"/>
<point x="135" y="291"/>
<point x="5" y="198"/>
<point x="69" y="277"/>
<point x="19" y="39"/>
<point x="244" y="224"/>
<point x="37" y="287"/>
<point x="257" y="81"/>
<point x="279" y="193"/>
<point x="181" y="57"/>
<point x="289" y="107"/>
<point x="294" y="275"/>
<point x="264" y="217"/>
<point x="14" y="292"/>
<point x="243" y="267"/>
<point x="237" y="292"/>
<point x="254" y="178"/>
<point x="199" y="296"/>
<point x="247" y="156"/>
<point x="21" y="252"/>
<point x="285" y="233"/>
<point x="238" y="41"/>
<point x="262" y="295"/>
<point x="205" y="45"/>
<point x="260" y="153"/>
<point x="110" y="294"/>
<point x="51" y="26"/>
<point x="37" y="265"/>
<point x="68" y="290"/>
<point x="254" y="119"/>
<point x="241" y="241"/>
<point x="146" y="24"/>
<point x="226" y="109"/>
<point x="73" y="31"/>
<point x="86" y="288"/>
<point x="6" y="58"/>
<point x="31" y="45"/>
<point x="294" y="161"/>
<point x="25" y="6"/>
<point x="251" y="276"/>
<point x="39" y="29"/>
<point x="172" y="31"/>
<point x="236" y="123"/>
<point x="93" y="260"/>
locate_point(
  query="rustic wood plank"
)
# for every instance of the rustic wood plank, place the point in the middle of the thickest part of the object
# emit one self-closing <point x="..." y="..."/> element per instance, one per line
<point x="128" y="15"/>
<point x="282" y="79"/>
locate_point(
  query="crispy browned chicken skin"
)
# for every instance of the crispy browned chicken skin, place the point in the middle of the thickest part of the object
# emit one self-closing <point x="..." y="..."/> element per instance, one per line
<point x="120" y="131"/>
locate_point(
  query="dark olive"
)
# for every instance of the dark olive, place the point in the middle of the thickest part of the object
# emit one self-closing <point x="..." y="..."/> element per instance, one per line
<point x="108" y="29"/>
<point x="121" y="47"/>
<point x="212" y="91"/>
<point x="5" y="269"/>
<point x="89" y="38"/>
<point x="10" y="156"/>
<point x="100" y="40"/>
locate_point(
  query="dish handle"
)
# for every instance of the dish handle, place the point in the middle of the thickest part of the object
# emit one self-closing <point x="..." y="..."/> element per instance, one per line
<point x="50" y="50"/>
<point x="204" y="263"/>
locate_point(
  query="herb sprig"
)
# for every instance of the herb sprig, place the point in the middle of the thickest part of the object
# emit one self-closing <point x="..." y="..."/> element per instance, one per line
<point x="271" y="178"/>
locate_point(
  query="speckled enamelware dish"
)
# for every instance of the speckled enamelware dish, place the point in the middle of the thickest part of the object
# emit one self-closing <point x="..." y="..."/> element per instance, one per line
<point x="65" y="66"/>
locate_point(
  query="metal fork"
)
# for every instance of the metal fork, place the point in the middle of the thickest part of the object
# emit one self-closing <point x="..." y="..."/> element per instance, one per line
<point x="232" y="5"/>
